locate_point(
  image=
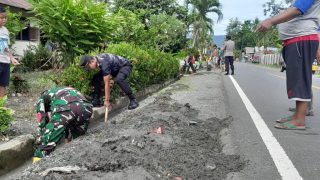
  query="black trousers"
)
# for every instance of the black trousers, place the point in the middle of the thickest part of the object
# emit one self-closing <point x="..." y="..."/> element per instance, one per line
<point x="120" y="78"/>
<point x="192" y="68"/>
<point x="229" y="61"/>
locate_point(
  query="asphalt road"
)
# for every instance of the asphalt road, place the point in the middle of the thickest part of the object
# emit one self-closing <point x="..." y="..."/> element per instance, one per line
<point x="266" y="90"/>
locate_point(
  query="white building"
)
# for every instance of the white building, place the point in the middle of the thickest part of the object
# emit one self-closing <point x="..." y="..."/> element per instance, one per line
<point x="28" y="36"/>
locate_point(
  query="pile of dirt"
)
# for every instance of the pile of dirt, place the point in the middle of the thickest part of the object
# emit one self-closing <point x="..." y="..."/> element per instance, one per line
<point x="130" y="148"/>
<point x="24" y="116"/>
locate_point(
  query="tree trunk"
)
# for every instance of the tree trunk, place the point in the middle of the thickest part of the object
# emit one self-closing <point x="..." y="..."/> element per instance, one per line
<point x="195" y="37"/>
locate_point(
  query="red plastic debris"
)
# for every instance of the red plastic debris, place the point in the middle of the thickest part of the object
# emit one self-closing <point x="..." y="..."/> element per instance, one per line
<point x="158" y="130"/>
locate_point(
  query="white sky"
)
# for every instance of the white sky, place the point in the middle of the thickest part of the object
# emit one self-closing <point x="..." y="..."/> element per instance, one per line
<point x="242" y="9"/>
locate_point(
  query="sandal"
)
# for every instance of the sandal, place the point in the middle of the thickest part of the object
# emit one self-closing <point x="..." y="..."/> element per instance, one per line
<point x="283" y="120"/>
<point x="288" y="126"/>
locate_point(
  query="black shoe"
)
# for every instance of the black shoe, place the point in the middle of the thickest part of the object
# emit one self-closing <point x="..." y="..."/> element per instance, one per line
<point x="232" y="73"/>
<point x="133" y="104"/>
<point x="226" y="74"/>
<point x="282" y="69"/>
<point x="96" y="103"/>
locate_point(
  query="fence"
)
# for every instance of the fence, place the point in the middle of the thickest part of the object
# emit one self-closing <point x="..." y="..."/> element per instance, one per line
<point x="270" y="59"/>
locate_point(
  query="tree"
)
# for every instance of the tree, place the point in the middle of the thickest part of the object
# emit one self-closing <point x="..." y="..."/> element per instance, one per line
<point x="272" y="8"/>
<point x="244" y="34"/>
<point x="200" y="21"/>
<point x="152" y="7"/>
<point x="130" y="29"/>
<point x="163" y="21"/>
<point x="165" y="32"/>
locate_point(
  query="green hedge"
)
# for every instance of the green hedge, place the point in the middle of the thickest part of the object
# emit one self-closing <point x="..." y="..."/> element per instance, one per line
<point x="5" y="116"/>
<point x="150" y="66"/>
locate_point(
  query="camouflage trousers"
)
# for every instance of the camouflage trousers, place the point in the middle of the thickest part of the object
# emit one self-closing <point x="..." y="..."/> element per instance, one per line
<point x="69" y="122"/>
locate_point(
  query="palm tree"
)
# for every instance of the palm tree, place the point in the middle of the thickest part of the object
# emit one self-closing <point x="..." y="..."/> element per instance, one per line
<point x="202" y="24"/>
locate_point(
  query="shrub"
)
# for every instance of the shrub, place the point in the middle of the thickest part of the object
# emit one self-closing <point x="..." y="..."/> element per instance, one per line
<point x="17" y="83"/>
<point x="77" y="78"/>
<point x="150" y="66"/>
<point x="5" y="116"/>
<point x="77" y="26"/>
<point x="36" y="57"/>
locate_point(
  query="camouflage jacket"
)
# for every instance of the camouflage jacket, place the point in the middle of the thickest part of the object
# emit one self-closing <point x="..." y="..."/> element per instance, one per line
<point x="56" y="100"/>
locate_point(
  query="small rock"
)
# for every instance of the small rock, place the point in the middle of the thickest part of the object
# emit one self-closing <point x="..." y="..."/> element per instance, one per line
<point x="187" y="105"/>
<point x="211" y="167"/>
<point x="13" y="95"/>
<point x="19" y="94"/>
<point x="192" y="123"/>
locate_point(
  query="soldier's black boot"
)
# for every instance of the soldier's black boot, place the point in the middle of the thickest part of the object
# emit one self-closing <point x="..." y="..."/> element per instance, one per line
<point x="133" y="104"/>
<point x="96" y="102"/>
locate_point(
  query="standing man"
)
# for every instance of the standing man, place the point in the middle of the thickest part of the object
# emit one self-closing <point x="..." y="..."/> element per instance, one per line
<point x="298" y="30"/>
<point x="229" y="47"/>
<point x="5" y="54"/>
<point x="62" y="113"/>
<point x="110" y="65"/>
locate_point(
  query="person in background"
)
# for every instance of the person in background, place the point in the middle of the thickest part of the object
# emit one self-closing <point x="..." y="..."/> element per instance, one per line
<point x="215" y="56"/>
<point x="229" y="47"/>
<point x="191" y="62"/>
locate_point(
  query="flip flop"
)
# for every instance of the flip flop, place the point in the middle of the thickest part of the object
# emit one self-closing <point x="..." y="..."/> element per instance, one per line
<point x="283" y="120"/>
<point x="288" y="126"/>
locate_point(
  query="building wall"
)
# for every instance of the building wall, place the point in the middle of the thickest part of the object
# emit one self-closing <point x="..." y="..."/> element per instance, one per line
<point x="19" y="46"/>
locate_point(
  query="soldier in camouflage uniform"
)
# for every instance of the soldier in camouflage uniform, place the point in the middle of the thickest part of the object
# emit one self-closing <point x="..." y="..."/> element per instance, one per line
<point x="62" y="112"/>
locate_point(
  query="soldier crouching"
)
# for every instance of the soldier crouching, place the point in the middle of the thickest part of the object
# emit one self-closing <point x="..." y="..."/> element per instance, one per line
<point x="63" y="113"/>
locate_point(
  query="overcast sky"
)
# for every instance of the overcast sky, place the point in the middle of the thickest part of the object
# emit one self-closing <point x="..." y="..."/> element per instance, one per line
<point x="242" y="9"/>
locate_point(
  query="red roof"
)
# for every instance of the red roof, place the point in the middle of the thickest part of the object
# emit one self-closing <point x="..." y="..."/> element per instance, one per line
<point x="23" y="4"/>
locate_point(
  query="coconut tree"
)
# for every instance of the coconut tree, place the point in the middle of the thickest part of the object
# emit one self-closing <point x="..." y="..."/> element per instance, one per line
<point x="200" y="21"/>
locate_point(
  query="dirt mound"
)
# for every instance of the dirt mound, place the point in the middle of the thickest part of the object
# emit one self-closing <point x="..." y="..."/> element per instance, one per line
<point x="131" y="148"/>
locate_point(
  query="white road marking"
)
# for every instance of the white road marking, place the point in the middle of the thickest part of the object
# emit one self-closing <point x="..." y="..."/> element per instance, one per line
<point x="284" y="165"/>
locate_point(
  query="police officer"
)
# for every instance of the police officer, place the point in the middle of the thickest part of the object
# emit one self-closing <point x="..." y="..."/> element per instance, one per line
<point x="62" y="112"/>
<point x="110" y="65"/>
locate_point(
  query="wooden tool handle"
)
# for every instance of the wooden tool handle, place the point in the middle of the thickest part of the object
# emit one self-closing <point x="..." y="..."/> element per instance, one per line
<point x="106" y="115"/>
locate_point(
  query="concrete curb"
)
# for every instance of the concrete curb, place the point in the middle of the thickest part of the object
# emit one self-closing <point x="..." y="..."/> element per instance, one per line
<point x="15" y="152"/>
<point x="122" y="102"/>
<point x="18" y="150"/>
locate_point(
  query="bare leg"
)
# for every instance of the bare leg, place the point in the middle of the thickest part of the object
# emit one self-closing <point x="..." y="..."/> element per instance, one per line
<point x="2" y="91"/>
<point x="299" y="117"/>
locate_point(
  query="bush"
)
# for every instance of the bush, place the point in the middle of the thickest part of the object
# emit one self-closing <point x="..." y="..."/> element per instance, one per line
<point x="76" y="26"/>
<point x="149" y="67"/>
<point x="5" y="116"/>
<point x="77" y="78"/>
<point x="17" y="83"/>
<point x="36" y="58"/>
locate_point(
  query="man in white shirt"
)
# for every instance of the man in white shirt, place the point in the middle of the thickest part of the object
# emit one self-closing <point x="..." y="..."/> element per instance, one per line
<point x="229" y="47"/>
